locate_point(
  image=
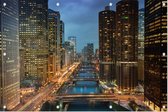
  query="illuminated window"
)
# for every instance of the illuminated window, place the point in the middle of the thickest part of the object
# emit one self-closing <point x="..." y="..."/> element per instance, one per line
<point x="4" y="4"/>
<point x="164" y="54"/>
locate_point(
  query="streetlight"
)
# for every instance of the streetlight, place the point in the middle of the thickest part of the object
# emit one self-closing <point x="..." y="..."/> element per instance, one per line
<point x="164" y="107"/>
<point x="110" y="106"/>
<point x="4" y="107"/>
<point x="57" y="106"/>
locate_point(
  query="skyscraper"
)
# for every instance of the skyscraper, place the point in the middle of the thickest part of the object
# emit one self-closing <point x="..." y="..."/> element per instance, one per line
<point x="62" y="32"/>
<point x="155" y="82"/>
<point x="90" y="52"/>
<point x="9" y="53"/>
<point x="33" y="38"/>
<point x="107" y="44"/>
<point x="54" y="41"/>
<point x="62" y="39"/>
<point x="141" y="44"/>
<point x="69" y="52"/>
<point x="72" y="39"/>
<point x="84" y="54"/>
<point x="127" y="44"/>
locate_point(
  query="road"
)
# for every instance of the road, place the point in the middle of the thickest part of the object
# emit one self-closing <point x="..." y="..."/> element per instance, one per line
<point x="35" y="102"/>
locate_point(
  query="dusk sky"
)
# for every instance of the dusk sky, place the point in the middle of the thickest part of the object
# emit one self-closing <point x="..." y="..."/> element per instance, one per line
<point x="81" y="18"/>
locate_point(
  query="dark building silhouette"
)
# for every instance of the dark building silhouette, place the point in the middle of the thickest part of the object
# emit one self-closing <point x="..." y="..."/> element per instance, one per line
<point x="127" y="44"/>
<point x="62" y="40"/>
<point x="107" y="44"/>
<point x="155" y="80"/>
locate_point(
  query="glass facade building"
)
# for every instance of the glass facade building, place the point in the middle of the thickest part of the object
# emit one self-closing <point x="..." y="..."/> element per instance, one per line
<point x="9" y="53"/>
<point x="155" y="80"/>
<point x="127" y="44"/>
<point x="33" y="38"/>
<point x="107" y="44"/>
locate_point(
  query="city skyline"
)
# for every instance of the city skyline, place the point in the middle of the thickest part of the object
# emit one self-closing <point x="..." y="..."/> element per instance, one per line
<point x="87" y="19"/>
<point x="83" y="55"/>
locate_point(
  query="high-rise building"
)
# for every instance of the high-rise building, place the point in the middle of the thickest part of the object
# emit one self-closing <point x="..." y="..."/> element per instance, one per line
<point x="62" y="32"/>
<point x="9" y="53"/>
<point x="127" y="44"/>
<point x="62" y="40"/>
<point x="141" y="45"/>
<point x="69" y="52"/>
<point x="33" y="38"/>
<point x="155" y="64"/>
<point x="84" y="54"/>
<point x="96" y="54"/>
<point x="54" y="42"/>
<point x="107" y="44"/>
<point x="90" y="52"/>
<point x="72" y="39"/>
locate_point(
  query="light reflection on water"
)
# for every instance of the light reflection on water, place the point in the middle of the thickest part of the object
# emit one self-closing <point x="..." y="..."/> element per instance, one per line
<point x="85" y="87"/>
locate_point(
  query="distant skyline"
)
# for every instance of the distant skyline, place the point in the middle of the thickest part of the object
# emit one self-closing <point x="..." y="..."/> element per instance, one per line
<point x="81" y="18"/>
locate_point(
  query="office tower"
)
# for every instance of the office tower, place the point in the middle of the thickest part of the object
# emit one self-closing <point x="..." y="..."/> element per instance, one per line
<point x="155" y="64"/>
<point x="54" y="42"/>
<point x="69" y="52"/>
<point x="90" y="52"/>
<point x="97" y="54"/>
<point x="22" y="68"/>
<point x="84" y="54"/>
<point x="62" y="32"/>
<point x="62" y="39"/>
<point x="9" y="53"/>
<point x="107" y="44"/>
<point x="127" y="44"/>
<point x="141" y="45"/>
<point x="72" y="39"/>
<point x="33" y="38"/>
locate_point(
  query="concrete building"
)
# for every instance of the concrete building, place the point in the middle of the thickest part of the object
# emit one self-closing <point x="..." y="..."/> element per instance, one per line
<point x="127" y="44"/>
<point x="107" y="54"/>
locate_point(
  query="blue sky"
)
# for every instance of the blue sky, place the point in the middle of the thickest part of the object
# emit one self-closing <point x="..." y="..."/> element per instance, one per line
<point x="81" y="18"/>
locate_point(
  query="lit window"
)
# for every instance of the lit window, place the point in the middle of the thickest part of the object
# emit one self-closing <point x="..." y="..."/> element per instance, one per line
<point x="4" y="53"/>
<point x="4" y="4"/>
<point x="164" y="3"/>
<point x="164" y="54"/>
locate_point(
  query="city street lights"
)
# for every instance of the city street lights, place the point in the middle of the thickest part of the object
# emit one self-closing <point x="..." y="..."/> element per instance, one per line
<point x="57" y="106"/>
<point x="4" y="107"/>
<point x="110" y="106"/>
